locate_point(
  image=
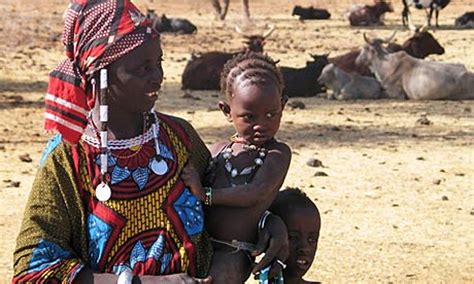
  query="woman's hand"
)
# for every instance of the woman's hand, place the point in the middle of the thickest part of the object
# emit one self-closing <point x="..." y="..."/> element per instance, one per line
<point x="88" y="276"/>
<point x="191" y="178"/>
<point x="181" y="278"/>
<point x="273" y="241"/>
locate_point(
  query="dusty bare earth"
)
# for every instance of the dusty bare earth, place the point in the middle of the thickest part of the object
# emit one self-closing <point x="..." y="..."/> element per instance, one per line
<point x="397" y="203"/>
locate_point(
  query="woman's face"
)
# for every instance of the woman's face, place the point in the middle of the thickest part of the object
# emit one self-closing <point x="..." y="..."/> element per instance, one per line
<point x="135" y="78"/>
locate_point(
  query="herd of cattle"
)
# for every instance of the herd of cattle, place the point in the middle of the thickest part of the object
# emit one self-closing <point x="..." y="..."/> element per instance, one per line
<point x="380" y="69"/>
<point x="372" y="15"/>
<point x="359" y="15"/>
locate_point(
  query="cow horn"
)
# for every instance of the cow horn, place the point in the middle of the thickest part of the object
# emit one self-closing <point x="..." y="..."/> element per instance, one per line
<point x="239" y="31"/>
<point x="412" y="27"/>
<point x="423" y="28"/>
<point x="367" y="40"/>
<point x="415" y="31"/>
<point x="268" y="32"/>
<point x="388" y="40"/>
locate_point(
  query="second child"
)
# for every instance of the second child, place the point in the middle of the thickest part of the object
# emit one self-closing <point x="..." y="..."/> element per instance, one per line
<point x="303" y="221"/>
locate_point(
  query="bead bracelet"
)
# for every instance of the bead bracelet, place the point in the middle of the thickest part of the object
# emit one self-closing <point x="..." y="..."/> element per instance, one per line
<point x="208" y="198"/>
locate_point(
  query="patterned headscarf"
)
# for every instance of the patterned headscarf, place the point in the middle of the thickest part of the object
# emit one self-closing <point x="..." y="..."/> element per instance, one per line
<point x="96" y="33"/>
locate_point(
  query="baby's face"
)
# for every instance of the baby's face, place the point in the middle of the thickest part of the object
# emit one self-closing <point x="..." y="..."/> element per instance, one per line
<point x="303" y="233"/>
<point x="255" y="111"/>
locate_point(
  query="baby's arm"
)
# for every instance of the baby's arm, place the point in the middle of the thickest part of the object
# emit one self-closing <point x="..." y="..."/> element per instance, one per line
<point x="266" y="182"/>
<point x="264" y="185"/>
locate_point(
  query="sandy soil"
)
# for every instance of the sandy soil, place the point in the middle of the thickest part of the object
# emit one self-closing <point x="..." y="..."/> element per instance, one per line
<point x="397" y="203"/>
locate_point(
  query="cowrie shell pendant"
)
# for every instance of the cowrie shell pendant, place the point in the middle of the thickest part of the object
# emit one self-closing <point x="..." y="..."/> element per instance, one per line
<point x="103" y="192"/>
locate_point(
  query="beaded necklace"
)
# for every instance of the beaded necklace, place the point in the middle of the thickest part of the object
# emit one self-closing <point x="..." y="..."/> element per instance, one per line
<point x="251" y="170"/>
<point x="158" y="164"/>
<point x="117" y="144"/>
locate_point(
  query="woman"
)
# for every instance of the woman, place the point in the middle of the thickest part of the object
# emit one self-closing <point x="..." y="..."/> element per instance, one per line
<point x="107" y="203"/>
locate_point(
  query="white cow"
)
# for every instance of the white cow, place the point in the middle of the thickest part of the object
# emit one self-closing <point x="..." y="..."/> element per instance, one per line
<point x="347" y="86"/>
<point x="403" y="76"/>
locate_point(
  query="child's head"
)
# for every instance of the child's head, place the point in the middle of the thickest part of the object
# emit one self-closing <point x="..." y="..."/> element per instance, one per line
<point x="253" y="85"/>
<point x="303" y="221"/>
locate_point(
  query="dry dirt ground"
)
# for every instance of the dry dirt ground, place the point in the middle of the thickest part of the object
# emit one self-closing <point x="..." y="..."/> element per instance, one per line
<point x="397" y="203"/>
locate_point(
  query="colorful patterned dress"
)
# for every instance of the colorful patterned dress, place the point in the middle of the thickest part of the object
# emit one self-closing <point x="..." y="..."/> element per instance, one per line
<point x="152" y="224"/>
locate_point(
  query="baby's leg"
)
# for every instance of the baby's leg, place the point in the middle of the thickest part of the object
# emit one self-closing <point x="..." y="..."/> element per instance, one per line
<point x="232" y="268"/>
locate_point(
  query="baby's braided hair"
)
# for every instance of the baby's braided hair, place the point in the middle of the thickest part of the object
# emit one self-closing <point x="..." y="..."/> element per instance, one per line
<point x="255" y="68"/>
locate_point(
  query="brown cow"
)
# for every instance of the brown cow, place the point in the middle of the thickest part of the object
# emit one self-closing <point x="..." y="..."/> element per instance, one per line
<point x="202" y="72"/>
<point x="369" y="15"/>
<point x="420" y="45"/>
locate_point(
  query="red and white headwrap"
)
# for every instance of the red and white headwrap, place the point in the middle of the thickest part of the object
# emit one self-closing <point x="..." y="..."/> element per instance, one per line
<point x="96" y="33"/>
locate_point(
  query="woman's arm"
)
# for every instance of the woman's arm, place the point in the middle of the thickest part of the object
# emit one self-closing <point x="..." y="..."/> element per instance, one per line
<point x="49" y="245"/>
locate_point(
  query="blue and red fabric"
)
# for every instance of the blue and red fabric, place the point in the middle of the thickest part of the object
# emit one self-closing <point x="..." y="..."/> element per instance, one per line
<point x="159" y="249"/>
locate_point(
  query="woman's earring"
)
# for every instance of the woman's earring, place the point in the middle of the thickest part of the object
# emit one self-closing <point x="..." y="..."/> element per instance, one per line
<point x="103" y="191"/>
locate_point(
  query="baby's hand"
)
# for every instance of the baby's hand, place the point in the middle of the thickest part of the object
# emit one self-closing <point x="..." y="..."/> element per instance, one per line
<point x="191" y="178"/>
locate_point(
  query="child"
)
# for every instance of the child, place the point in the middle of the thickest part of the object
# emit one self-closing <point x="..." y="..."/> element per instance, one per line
<point x="303" y="221"/>
<point x="247" y="170"/>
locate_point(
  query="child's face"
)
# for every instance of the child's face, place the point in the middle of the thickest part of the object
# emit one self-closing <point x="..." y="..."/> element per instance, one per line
<point x="255" y="111"/>
<point x="303" y="225"/>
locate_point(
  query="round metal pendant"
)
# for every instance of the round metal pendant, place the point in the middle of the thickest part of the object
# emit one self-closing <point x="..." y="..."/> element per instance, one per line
<point x="258" y="161"/>
<point x="233" y="173"/>
<point x="103" y="192"/>
<point x="159" y="167"/>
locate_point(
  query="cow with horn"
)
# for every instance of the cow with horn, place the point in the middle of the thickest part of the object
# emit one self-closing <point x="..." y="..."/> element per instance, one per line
<point x="420" y="44"/>
<point x="203" y="71"/>
<point x="403" y="76"/>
